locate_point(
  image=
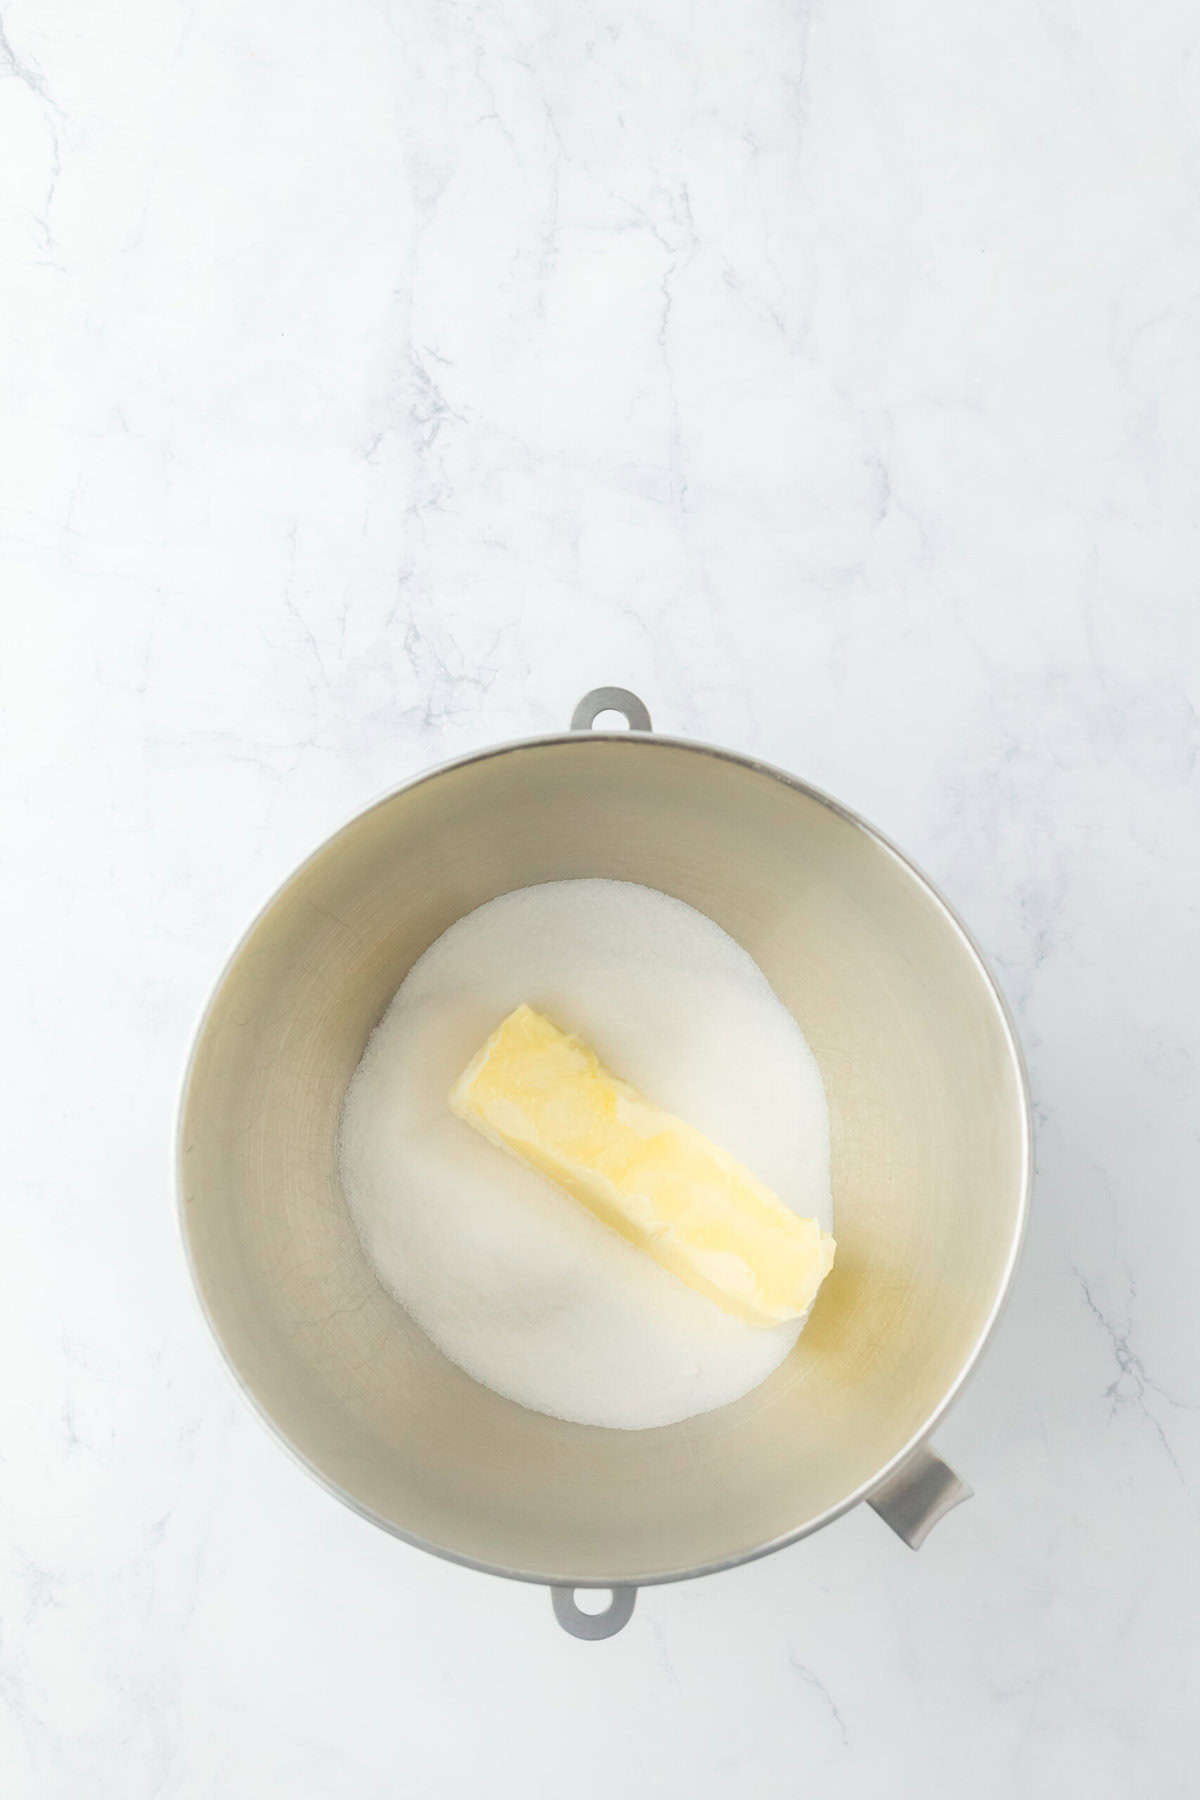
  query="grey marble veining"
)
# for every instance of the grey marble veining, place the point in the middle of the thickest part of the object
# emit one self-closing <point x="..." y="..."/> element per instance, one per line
<point x="377" y="379"/>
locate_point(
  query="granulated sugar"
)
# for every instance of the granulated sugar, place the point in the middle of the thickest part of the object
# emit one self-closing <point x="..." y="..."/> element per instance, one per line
<point x="511" y="1278"/>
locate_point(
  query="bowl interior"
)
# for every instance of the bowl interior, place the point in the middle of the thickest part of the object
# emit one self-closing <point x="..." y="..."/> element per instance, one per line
<point x="929" y="1161"/>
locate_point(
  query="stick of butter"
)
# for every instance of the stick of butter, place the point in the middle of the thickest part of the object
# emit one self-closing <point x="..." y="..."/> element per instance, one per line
<point x="545" y="1097"/>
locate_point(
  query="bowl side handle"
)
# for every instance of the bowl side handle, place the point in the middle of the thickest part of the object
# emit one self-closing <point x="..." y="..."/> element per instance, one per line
<point x="611" y="699"/>
<point x="593" y="1626"/>
<point x="920" y="1492"/>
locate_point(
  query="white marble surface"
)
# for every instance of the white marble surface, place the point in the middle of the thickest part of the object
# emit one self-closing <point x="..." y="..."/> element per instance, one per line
<point x="377" y="378"/>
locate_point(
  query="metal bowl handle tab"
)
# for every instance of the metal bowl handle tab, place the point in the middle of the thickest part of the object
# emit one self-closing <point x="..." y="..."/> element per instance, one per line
<point x="922" y="1491"/>
<point x="611" y="699"/>
<point x="593" y="1626"/>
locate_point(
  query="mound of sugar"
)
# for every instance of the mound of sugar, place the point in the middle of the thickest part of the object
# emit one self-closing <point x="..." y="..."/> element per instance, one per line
<point x="512" y="1279"/>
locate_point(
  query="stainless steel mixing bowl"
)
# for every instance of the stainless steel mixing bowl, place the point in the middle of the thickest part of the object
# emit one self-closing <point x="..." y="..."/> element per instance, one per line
<point x="931" y="1168"/>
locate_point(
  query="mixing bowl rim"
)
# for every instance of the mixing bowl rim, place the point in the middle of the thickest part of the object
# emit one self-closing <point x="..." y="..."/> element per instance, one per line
<point x="579" y="742"/>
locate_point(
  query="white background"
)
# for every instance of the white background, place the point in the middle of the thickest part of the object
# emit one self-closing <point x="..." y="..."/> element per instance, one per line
<point x="380" y="376"/>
